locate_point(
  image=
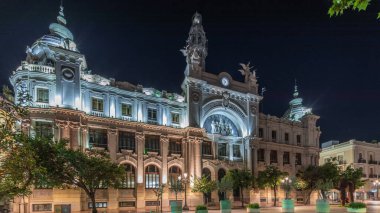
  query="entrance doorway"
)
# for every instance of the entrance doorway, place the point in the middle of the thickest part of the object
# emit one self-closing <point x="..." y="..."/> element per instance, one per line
<point x="64" y="208"/>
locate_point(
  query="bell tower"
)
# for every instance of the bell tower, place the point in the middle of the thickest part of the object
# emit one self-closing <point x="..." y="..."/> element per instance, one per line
<point x="195" y="50"/>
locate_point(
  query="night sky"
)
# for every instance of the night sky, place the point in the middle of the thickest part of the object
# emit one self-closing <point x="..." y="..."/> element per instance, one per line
<point x="336" y="61"/>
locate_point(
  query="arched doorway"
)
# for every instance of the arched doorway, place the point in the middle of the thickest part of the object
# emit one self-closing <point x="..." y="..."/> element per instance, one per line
<point x="206" y="172"/>
<point x="130" y="177"/>
<point x="174" y="173"/>
<point x="221" y="174"/>
<point x="152" y="177"/>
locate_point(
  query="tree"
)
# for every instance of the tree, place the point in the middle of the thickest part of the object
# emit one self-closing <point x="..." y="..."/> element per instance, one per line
<point x="226" y="184"/>
<point x="204" y="185"/>
<point x="349" y="178"/>
<point x="271" y="177"/>
<point x="339" y="6"/>
<point x="158" y="192"/>
<point x="176" y="187"/>
<point x="243" y="179"/>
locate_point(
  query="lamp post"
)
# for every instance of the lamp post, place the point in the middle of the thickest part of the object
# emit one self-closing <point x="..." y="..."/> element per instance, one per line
<point x="377" y="184"/>
<point x="185" y="180"/>
<point x="286" y="183"/>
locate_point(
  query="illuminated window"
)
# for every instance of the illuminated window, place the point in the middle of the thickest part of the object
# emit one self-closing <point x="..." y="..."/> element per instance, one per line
<point x="175" y="118"/>
<point x="42" y="207"/>
<point x="98" y="138"/>
<point x="222" y="149"/>
<point x="206" y="148"/>
<point x="175" y="146"/>
<point x="152" y="114"/>
<point x="98" y="205"/>
<point x="152" y="143"/>
<point x="236" y="151"/>
<point x="273" y="156"/>
<point x="286" y="158"/>
<point x="152" y="177"/>
<point x="174" y="173"/>
<point x="43" y="129"/>
<point x="127" y="140"/>
<point x="129" y="181"/>
<point x="126" y="110"/>
<point x="42" y="95"/>
<point x="260" y="155"/>
<point x="274" y="135"/>
<point x="97" y="104"/>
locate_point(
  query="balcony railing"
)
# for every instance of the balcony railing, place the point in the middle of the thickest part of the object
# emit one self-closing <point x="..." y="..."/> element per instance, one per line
<point x="362" y="161"/>
<point x="155" y="122"/>
<point x="37" y="68"/>
<point x="372" y="162"/>
<point x="372" y="176"/>
<point x="126" y="118"/>
<point x="41" y="105"/>
<point x="98" y="114"/>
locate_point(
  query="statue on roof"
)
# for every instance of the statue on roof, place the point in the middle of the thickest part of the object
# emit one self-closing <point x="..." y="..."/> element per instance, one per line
<point x="246" y="72"/>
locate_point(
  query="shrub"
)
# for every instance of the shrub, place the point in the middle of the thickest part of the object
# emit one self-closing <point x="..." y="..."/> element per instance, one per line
<point x="201" y="207"/>
<point x="357" y="205"/>
<point x="253" y="206"/>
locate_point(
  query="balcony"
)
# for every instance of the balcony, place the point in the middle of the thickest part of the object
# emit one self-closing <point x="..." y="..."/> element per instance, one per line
<point x="97" y="114"/>
<point x="372" y="176"/>
<point x="362" y="161"/>
<point x="155" y="122"/>
<point x="372" y="162"/>
<point x="41" y="105"/>
<point x="126" y="118"/>
<point x="37" y="68"/>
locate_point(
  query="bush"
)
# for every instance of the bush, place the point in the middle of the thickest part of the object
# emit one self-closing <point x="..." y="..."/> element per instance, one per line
<point x="356" y="205"/>
<point x="201" y="207"/>
<point x="253" y="206"/>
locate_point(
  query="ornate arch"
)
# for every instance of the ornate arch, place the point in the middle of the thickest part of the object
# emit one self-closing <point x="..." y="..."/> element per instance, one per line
<point x="176" y="162"/>
<point x="127" y="159"/>
<point x="153" y="161"/>
<point x="134" y="164"/>
<point x="211" y="168"/>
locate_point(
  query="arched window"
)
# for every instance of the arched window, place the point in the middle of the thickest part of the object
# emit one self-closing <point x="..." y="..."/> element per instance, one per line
<point x="174" y="173"/>
<point x="206" y="172"/>
<point x="370" y="158"/>
<point x="360" y="156"/>
<point x="152" y="177"/>
<point x="129" y="181"/>
<point x="221" y="174"/>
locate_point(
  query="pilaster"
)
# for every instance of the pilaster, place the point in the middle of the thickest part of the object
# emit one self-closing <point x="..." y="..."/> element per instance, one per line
<point x="74" y="134"/>
<point x="112" y="143"/>
<point x="140" y="189"/>
<point x="164" y="144"/>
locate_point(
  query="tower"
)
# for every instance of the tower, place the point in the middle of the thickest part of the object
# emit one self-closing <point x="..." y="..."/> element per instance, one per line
<point x="195" y="50"/>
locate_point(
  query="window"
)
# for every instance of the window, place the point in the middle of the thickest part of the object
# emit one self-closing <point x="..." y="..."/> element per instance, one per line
<point x="152" y="177"/>
<point x="126" y="110"/>
<point x="286" y="138"/>
<point x="42" y="95"/>
<point x="43" y="129"/>
<point x="261" y="132"/>
<point x="174" y="173"/>
<point x="127" y="140"/>
<point x="129" y="181"/>
<point x="175" y="146"/>
<point x="152" y="143"/>
<point x="274" y="135"/>
<point x="152" y="115"/>
<point x="286" y="158"/>
<point x="97" y="104"/>
<point x="42" y="207"/>
<point x="98" y="205"/>
<point x="222" y="149"/>
<point x="206" y="148"/>
<point x="340" y="159"/>
<point x="273" y="156"/>
<point x="298" y="159"/>
<point x="236" y="151"/>
<point x="127" y="204"/>
<point x="175" y="118"/>
<point x="298" y="140"/>
<point x="98" y="138"/>
<point x="260" y="155"/>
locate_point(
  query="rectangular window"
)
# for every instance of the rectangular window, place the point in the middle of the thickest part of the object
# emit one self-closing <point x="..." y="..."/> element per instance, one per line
<point x="98" y="138"/>
<point x="98" y="205"/>
<point x="97" y="104"/>
<point x="222" y="149"/>
<point x="298" y="159"/>
<point x="273" y="156"/>
<point x="286" y="158"/>
<point x="236" y="151"/>
<point x="42" y="207"/>
<point x="126" y="110"/>
<point x="42" y="95"/>
<point x="206" y="148"/>
<point x="261" y="155"/>
<point x="127" y="204"/>
<point x="274" y="135"/>
<point x="298" y="140"/>
<point x="261" y="132"/>
<point x="175" y="118"/>
<point x="286" y="138"/>
<point x="175" y="146"/>
<point x="152" y="115"/>
<point x="127" y="141"/>
<point x="129" y="181"/>
<point x="43" y="129"/>
<point x="152" y="143"/>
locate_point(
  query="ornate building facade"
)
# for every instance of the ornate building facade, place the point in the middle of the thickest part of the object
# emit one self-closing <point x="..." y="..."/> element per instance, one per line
<point x="215" y="126"/>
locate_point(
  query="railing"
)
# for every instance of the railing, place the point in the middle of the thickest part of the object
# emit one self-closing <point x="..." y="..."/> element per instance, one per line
<point x="98" y="114"/>
<point x="41" y="105"/>
<point x="152" y="122"/>
<point x="362" y="161"/>
<point x="372" y="162"/>
<point x="126" y="118"/>
<point x="372" y="176"/>
<point x="37" y="68"/>
<point x="205" y="156"/>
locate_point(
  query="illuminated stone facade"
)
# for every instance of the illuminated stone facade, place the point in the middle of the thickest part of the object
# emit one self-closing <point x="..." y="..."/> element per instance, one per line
<point x="215" y="127"/>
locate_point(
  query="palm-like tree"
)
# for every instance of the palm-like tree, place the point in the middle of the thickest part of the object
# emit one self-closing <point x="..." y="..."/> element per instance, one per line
<point x="271" y="177"/>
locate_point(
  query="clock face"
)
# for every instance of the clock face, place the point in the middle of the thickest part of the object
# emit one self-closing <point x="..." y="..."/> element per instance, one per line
<point x="225" y="82"/>
<point x="68" y="74"/>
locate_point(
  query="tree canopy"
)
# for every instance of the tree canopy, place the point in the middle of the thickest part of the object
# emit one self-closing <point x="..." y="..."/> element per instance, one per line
<point x="338" y="7"/>
<point x="271" y="177"/>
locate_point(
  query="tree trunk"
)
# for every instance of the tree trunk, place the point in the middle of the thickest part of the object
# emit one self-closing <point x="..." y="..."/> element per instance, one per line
<point x="92" y="197"/>
<point x="342" y="190"/>
<point x="351" y="189"/>
<point x="242" y="197"/>
<point x="275" y="195"/>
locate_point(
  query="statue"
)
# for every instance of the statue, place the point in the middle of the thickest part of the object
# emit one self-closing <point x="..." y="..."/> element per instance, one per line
<point x="39" y="54"/>
<point x="246" y="72"/>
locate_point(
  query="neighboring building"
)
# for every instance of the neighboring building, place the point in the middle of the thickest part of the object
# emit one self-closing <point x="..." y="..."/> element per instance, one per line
<point x="214" y="127"/>
<point x="359" y="154"/>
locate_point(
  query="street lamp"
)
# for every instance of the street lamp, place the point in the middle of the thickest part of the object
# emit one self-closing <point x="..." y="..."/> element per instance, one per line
<point x="286" y="184"/>
<point x="377" y="184"/>
<point x="185" y="180"/>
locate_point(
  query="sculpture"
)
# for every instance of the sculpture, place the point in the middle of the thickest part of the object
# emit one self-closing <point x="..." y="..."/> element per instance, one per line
<point x="246" y="72"/>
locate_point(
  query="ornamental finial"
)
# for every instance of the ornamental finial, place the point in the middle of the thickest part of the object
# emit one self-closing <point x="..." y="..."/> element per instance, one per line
<point x="197" y="18"/>
<point x="61" y="16"/>
<point x="295" y="94"/>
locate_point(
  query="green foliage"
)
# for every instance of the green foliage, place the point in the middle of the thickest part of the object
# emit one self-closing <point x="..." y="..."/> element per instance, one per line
<point x="357" y="205"/>
<point x="339" y="6"/>
<point x="253" y="206"/>
<point x="201" y="207"/>
<point x="226" y="184"/>
<point x="242" y="179"/>
<point x="176" y="187"/>
<point x="271" y="177"/>
<point x="204" y="185"/>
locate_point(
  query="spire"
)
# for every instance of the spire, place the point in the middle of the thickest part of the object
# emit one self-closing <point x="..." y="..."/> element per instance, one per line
<point x="60" y="27"/>
<point x="61" y="16"/>
<point x="296" y="109"/>
<point x="295" y="94"/>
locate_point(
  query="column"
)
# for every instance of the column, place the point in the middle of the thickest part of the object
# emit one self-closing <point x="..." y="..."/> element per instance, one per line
<point x="84" y="142"/>
<point x="64" y="131"/>
<point x="191" y="157"/>
<point x="198" y="158"/>
<point x="267" y="157"/>
<point x="280" y="159"/>
<point x="293" y="162"/>
<point x="248" y="157"/>
<point x="112" y="143"/>
<point x="164" y="140"/>
<point x="140" y="190"/>
<point x="74" y="135"/>
<point x="255" y="167"/>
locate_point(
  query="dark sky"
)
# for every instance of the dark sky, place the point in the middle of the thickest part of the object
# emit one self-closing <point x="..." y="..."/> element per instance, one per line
<point x="336" y="60"/>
